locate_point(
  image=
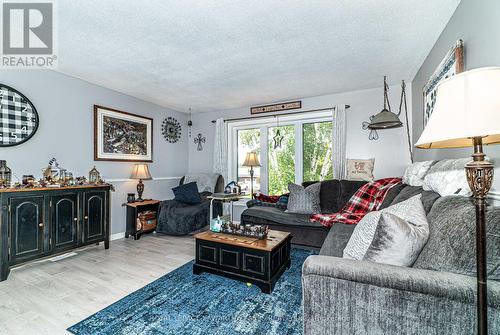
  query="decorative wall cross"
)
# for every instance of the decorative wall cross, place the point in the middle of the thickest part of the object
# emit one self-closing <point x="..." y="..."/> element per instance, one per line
<point x="199" y="140"/>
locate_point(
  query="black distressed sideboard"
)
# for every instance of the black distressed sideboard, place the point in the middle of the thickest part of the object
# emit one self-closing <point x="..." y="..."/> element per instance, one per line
<point x="36" y="223"/>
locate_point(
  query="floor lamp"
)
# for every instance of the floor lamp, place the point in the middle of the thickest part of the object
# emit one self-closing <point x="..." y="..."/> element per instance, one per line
<point x="467" y="113"/>
<point x="251" y="160"/>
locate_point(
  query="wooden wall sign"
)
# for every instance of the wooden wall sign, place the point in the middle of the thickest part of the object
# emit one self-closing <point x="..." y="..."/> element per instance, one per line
<point x="276" y="108"/>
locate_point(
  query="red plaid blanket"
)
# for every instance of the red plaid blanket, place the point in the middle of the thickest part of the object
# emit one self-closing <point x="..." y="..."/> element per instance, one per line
<point x="368" y="198"/>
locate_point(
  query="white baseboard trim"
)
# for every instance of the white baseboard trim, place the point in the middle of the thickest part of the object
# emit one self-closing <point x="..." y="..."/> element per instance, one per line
<point x="116" y="236"/>
<point x="122" y="180"/>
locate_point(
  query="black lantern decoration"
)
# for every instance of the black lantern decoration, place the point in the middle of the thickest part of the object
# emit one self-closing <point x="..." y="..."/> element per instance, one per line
<point x="199" y="140"/>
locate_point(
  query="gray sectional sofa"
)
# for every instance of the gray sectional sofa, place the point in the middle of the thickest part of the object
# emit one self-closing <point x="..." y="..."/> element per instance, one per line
<point x="333" y="196"/>
<point x="435" y="296"/>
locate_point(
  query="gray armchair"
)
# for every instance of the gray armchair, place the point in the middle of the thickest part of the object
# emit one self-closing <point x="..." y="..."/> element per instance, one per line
<point x="177" y="218"/>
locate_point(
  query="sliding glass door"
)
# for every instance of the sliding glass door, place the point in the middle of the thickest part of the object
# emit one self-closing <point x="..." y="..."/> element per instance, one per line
<point x="292" y="149"/>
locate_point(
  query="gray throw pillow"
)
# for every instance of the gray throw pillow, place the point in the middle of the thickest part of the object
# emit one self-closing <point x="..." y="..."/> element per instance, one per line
<point x="397" y="241"/>
<point x="304" y="200"/>
<point x="362" y="237"/>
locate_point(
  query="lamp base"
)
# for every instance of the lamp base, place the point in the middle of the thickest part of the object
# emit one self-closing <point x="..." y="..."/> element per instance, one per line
<point x="140" y="190"/>
<point x="480" y="177"/>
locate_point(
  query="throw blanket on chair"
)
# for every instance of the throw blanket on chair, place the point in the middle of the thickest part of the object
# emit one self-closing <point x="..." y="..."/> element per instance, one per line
<point x="368" y="198"/>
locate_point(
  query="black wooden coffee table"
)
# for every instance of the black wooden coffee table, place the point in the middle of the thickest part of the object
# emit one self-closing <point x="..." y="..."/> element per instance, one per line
<point x="247" y="259"/>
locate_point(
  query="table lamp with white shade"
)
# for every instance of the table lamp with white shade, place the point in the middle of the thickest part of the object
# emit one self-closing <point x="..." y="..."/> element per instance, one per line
<point x="467" y="114"/>
<point x="141" y="172"/>
<point x="251" y="160"/>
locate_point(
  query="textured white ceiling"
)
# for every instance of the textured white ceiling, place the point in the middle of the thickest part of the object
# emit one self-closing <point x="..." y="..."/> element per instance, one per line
<point x="213" y="55"/>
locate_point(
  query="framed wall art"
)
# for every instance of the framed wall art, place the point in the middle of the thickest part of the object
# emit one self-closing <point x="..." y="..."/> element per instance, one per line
<point x="121" y="136"/>
<point x="451" y="64"/>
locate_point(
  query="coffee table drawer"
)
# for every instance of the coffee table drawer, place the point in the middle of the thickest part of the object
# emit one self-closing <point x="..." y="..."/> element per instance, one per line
<point x="230" y="259"/>
<point x="207" y="253"/>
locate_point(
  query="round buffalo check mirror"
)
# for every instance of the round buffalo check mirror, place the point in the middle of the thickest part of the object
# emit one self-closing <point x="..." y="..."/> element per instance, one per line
<point x="18" y="117"/>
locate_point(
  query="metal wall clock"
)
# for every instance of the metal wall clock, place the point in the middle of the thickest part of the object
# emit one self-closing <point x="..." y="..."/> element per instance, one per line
<point x="171" y="130"/>
<point x="18" y="117"/>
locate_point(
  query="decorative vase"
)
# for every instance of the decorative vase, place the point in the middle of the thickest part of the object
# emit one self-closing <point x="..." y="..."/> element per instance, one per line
<point x="130" y="197"/>
<point x="5" y="174"/>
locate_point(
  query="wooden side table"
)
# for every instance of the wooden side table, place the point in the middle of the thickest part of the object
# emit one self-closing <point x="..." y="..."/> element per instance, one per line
<point x="133" y="211"/>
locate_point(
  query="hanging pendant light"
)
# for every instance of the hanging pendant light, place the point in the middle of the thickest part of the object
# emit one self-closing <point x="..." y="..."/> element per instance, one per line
<point x="385" y="119"/>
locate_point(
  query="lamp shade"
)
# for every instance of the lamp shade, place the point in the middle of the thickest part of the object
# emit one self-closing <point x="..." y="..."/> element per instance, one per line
<point x="251" y="159"/>
<point x="467" y="106"/>
<point x="385" y="120"/>
<point x="140" y="171"/>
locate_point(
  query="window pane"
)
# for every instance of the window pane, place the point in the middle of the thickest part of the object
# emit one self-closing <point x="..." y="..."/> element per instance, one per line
<point x="281" y="159"/>
<point x="317" y="151"/>
<point x="248" y="140"/>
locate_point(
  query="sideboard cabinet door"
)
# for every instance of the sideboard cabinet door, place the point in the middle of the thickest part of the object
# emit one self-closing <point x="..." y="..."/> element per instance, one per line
<point x="64" y="219"/>
<point x="94" y="204"/>
<point x="27" y="228"/>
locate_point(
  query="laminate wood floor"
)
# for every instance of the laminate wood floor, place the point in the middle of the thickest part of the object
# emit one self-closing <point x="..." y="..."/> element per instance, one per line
<point x="46" y="297"/>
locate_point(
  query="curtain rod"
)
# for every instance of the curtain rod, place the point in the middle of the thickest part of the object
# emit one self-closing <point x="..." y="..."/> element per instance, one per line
<point x="276" y="115"/>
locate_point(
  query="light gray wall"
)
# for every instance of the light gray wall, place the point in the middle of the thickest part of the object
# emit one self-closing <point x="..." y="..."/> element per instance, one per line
<point x="390" y="151"/>
<point x="65" y="106"/>
<point x="478" y="24"/>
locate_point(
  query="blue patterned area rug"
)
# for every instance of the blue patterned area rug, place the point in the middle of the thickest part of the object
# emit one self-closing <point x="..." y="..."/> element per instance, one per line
<point x="183" y="303"/>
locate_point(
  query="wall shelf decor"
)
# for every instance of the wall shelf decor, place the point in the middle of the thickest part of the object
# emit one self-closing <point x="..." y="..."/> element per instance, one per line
<point x="121" y="136"/>
<point x="18" y="117"/>
<point x="276" y="107"/>
<point x="171" y="130"/>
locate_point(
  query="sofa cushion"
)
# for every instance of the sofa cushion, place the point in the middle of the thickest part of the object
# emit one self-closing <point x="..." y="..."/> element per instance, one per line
<point x="187" y="193"/>
<point x="447" y="177"/>
<point x="406" y="192"/>
<point x="277" y="215"/>
<point x="360" y="169"/>
<point x="347" y="190"/>
<point x="304" y="200"/>
<point x="362" y="237"/>
<point x="334" y="194"/>
<point x="452" y="241"/>
<point x="391" y="195"/>
<point x="415" y="173"/>
<point x="397" y="241"/>
<point x="337" y="239"/>
<point x="328" y="195"/>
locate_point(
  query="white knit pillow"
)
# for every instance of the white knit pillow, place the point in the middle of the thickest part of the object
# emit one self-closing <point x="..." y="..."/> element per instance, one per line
<point x="362" y="236"/>
<point x="447" y="177"/>
<point x="415" y="173"/>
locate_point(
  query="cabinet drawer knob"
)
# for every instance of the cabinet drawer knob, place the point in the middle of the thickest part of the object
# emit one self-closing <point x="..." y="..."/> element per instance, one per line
<point x="75" y="219"/>
<point x="86" y="217"/>
<point x="40" y="224"/>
